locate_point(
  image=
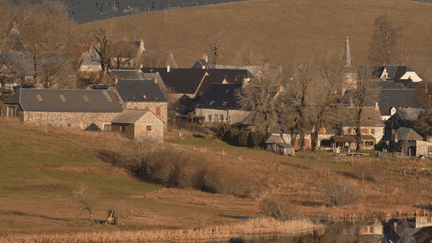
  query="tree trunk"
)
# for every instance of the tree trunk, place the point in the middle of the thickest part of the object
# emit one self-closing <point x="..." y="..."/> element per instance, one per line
<point x="314" y="140"/>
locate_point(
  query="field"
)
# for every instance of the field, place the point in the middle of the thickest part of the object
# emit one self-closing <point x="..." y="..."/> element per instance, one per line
<point x="280" y="30"/>
<point x="41" y="168"/>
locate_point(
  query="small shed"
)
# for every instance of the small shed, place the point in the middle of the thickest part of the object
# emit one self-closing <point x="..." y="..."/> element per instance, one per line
<point x="277" y="144"/>
<point x="138" y="123"/>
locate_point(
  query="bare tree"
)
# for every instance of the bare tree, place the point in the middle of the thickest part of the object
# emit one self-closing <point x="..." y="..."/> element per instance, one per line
<point x="423" y="98"/>
<point x="214" y="45"/>
<point x="6" y="19"/>
<point x="43" y="29"/>
<point x="84" y="201"/>
<point x="386" y="42"/>
<point x="262" y="97"/>
<point x="362" y="95"/>
<point x="299" y="93"/>
<point x="247" y="55"/>
<point x="325" y="95"/>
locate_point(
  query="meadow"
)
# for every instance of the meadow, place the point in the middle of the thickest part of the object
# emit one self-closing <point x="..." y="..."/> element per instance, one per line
<point x="41" y="167"/>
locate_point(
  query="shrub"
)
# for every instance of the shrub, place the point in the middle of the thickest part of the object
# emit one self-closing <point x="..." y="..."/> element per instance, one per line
<point x="243" y="138"/>
<point x="222" y="130"/>
<point x="170" y="167"/>
<point x="234" y="136"/>
<point x="366" y="172"/>
<point x="278" y="209"/>
<point x="255" y="139"/>
<point x="339" y="193"/>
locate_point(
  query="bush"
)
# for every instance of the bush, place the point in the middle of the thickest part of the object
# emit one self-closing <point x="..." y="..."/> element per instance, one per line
<point x="255" y="139"/>
<point x="339" y="193"/>
<point x="234" y="134"/>
<point x="170" y="167"/>
<point x="278" y="209"/>
<point x="243" y="138"/>
<point x="366" y="172"/>
<point x="222" y="130"/>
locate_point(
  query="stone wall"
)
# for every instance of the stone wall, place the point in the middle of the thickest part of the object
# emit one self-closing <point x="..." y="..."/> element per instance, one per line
<point x="79" y="120"/>
<point x="151" y="107"/>
<point x="216" y="116"/>
<point x="157" y="127"/>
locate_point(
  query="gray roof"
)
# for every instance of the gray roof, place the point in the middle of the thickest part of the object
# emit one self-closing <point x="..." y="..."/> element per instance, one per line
<point x="406" y="133"/>
<point x="128" y="74"/>
<point x="179" y="80"/>
<point x="275" y="139"/>
<point x="410" y="114"/>
<point x="75" y="100"/>
<point x="91" y="58"/>
<point x="253" y="69"/>
<point x="389" y="98"/>
<point x="140" y="91"/>
<point x="129" y="116"/>
<point x="221" y="97"/>
<point x="201" y="62"/>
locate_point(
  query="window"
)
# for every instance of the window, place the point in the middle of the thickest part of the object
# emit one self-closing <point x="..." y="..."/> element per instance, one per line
<point x="372" y="131"/>
<point x="366" y="131"/>
<point x="135" y="108"/>
<point x="146" y="108"/>
<point x="349" y="131"/>
<point x="86" y="99"/>
<point x="107" y="127"/>
<point x="148" y="128"/>
<point x="221" y="118"/>
<point x="39" y="97"/>
<point x="430" y="149"/>
<point x="209" y="117"/>
<point x="158" y="111"/>
<point x="62" y="98"/>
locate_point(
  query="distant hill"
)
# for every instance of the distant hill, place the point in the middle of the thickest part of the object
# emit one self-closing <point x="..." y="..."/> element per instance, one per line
<point x="92" y="10"/>
<point x="282" y="30"/>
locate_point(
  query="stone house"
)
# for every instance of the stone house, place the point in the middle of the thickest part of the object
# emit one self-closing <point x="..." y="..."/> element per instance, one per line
<point x="142" y="95"/>
<point x="219" y="104"/>
<point x="275" y="143"/>
<point x="138" y="123"/>
<point x="64" y="108"/>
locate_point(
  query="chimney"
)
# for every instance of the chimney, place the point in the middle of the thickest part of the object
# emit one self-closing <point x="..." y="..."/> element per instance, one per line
<point x="395" y="137"/>
<point x="205" y="57"/>
<point x="280" y="88"/>
<point x="168" y="68"/>
<point x="115" y="80"/>
<point x="141" y="46"/>
<point x="376" y="106"/>
<point x="154" y="80"/>
<point x="245" y="83"/>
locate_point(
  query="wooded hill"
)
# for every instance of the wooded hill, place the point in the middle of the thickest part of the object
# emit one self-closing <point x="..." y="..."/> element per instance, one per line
<point x="281" y="30"/>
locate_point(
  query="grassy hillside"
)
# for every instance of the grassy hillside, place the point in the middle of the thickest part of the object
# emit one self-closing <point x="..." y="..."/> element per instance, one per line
<point x="41" y="167"/>
<point x="282" y="30"/>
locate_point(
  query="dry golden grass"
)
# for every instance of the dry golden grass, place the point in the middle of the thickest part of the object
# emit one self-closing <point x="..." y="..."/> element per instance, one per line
<point x="280" y="30"/>
<point x="248" y="227"/>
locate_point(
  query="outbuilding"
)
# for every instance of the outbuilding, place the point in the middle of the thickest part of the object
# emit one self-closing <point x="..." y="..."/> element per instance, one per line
<point x="138" y="123"/>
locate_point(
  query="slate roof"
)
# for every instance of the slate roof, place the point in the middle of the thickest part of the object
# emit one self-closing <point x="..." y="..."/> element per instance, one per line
<point x="404" y="117"/>
<point x="140" y="91"/>
<point x="129" y="116"/>
<point x="21" y="63"/>
<point x="217" y="76"/>
<point x="389" y="98"/>
<point x="275" y="139"/>
<point x="128" y="74"/>
<point x="179" y="80"/>
<point x="75" y="100"/>
<point x="406" y="133"/>
<point x="91" y="58"/>
<point x="220" y="97"/>
<point x="201" y="62"/>
<point x="253" y="69"/>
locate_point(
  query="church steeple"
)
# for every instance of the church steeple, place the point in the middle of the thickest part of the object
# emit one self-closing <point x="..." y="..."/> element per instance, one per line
<point x="347" y="55"/>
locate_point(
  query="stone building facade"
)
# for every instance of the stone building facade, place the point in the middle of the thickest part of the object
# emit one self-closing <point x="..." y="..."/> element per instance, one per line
<point x="81" y="120"/>
<point x="218" y="116"/>
<point x="159" y="109"/>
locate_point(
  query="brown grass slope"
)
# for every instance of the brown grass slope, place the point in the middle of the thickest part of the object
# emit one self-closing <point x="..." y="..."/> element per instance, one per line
<point x="282" y="30"/>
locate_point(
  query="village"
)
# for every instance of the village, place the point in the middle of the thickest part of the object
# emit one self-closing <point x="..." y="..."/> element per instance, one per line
<point x="140" y="101"/>
<point x="215" y="123"/>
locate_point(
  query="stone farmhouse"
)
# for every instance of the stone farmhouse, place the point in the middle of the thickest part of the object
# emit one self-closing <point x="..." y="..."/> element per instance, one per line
<point x="219" y="104"/>
<point x="81" y="109"/>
